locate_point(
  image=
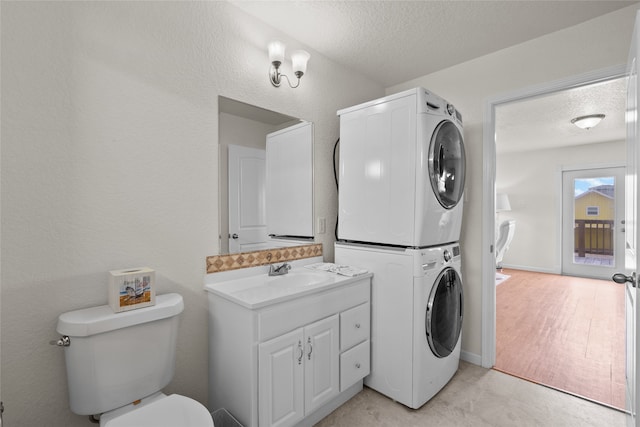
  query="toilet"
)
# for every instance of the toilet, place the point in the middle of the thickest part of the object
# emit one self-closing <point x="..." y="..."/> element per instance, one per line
<point x="118" y="363"/>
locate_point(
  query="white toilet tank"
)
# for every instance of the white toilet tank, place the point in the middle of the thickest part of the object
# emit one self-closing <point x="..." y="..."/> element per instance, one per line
<point x="115" y="359"/>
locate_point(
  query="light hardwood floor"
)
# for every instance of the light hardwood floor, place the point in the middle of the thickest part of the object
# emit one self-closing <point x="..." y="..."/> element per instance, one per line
<point x="564" y="332"/>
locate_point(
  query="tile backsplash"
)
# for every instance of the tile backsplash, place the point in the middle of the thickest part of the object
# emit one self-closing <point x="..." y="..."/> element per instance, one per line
<point x="219" y="263"/>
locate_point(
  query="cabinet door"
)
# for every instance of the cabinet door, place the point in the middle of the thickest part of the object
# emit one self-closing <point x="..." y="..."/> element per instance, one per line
<point x="281" y="380"/>
<point x="322" y="358"/>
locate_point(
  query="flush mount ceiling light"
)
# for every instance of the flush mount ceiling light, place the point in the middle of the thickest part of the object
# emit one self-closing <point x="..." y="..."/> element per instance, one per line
<point x="299" y="60"/>
<point x="587" y="122"/>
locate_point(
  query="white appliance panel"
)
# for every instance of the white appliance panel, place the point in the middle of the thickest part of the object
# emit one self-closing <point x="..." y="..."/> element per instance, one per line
<point x="403" y="366"/>
<point x="391" y="322"/>
<point x="386" y="193"/>
<point x="377" y="170"/>
<point x="435" y="224"/>
<point x="431" y="373"/>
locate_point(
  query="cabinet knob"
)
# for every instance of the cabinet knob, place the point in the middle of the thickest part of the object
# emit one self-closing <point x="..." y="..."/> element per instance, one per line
<point x="357" y="325"/>
<point x="357" y="365"/>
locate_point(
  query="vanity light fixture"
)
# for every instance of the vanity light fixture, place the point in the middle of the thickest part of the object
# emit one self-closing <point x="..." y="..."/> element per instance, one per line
<point x="587" y="122"/>
<point x="299" y="60"/>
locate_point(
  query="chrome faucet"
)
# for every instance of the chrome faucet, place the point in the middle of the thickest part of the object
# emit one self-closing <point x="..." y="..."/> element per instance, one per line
<point x="279" y="270"/>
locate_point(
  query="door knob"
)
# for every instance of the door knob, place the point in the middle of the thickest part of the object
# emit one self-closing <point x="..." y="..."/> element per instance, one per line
<point x="234" y="236"/>
<point x="622" y="278"/>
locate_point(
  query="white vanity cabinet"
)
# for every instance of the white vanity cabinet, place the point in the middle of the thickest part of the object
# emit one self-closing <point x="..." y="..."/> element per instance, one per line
<point x="298" y="372"/>
<point x="292" y="362"/>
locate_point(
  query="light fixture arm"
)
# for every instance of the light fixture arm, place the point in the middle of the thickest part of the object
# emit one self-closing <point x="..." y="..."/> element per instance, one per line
<point x="276" y="76"/>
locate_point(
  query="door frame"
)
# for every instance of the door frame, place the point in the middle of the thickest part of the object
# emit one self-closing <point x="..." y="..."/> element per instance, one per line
<point x="488" y="356"/>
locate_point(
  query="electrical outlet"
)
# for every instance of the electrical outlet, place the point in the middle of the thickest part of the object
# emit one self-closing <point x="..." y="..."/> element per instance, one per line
<point x="322" y="225"/>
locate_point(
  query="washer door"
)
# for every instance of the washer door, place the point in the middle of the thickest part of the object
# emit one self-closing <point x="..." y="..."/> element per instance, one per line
<point x="444" y="313"/>
<point x="447" y="164"/>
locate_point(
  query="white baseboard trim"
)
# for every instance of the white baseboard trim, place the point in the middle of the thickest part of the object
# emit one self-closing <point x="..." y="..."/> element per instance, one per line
<point x="530" y="268"/>
<point x="476" y="359"/>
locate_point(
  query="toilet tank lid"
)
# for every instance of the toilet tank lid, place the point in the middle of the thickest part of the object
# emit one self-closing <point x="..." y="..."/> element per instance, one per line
<point x="96" y="320"/>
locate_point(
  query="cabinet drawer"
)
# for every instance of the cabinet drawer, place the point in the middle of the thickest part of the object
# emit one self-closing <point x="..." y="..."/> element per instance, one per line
<point x="355" y="364"/>
<point x="278" y="319"/>
<point x="355" y="326"/>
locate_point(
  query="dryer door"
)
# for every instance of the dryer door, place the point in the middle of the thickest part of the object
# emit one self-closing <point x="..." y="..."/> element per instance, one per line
<point x="444" y="313"/>
<point x="447" y="164"/>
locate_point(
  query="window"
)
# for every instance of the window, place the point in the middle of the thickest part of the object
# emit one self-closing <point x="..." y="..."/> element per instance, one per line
<point x="593" y="210"/>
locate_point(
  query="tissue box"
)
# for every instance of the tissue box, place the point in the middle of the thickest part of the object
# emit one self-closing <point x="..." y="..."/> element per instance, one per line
<point x="131" y="288"/>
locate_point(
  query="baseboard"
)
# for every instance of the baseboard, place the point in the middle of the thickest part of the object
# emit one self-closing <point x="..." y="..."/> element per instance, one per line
<point x="473" y="358"/>
<point x="534" y="269"/>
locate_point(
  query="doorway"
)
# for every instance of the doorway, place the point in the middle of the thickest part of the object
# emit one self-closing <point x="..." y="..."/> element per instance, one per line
<point x="538" y="243"/>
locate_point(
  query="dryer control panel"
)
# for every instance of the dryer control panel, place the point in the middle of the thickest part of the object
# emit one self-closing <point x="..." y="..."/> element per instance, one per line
<point x="435" y="258"/>
<point x="431" y="103"/>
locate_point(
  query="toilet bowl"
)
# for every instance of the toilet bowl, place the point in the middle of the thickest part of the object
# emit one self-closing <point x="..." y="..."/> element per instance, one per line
<point x="160" y="410"/>
<point x="118" y="363"/>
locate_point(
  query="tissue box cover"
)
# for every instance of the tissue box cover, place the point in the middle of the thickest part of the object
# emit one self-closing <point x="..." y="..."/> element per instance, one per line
<point x="131" y="288"/>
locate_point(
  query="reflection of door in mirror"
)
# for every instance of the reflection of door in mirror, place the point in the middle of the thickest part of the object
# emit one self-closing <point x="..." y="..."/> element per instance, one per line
<point x="290" y="182"/>
<point x="247" y="219"/>
<point x="242" y="125"/>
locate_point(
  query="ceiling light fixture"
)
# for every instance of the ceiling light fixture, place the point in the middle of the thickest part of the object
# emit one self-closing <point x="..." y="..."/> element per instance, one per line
<point x="299" y="60"/>
<point x="587" y="122"/>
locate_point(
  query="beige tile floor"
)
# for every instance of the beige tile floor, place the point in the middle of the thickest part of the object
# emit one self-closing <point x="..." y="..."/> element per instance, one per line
<point x="477" y="397"/>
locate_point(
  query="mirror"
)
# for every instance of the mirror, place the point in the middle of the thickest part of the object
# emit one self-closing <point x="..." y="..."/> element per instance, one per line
<point x="242" y="134"/>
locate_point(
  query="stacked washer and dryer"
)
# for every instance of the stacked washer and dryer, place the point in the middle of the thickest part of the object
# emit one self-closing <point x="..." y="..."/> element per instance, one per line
<point x="402" y="175"/>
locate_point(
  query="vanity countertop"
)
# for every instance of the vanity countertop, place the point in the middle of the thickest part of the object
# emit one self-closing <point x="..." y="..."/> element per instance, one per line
<point x="261" y="290"/>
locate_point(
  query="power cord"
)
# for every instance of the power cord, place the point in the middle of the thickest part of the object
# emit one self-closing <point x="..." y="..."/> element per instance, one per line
<point x="335" y="177"/>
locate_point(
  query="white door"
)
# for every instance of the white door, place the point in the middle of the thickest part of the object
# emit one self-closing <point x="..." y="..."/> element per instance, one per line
<point x="247" y="210"/>
<point x="593" y="222"/>
<point x="322" y="358"/>
<point x="281" y="380"/>
<point x="628" y="277"/>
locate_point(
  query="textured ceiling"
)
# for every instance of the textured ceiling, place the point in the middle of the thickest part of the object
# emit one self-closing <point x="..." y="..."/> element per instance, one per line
<point x="396" y="41"/>
<point x="545" y="122"/>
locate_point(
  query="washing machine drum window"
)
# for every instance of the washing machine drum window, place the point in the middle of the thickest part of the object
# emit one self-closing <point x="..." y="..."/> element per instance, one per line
<point x="447" y="164"/>
<point x="444" y="313"/>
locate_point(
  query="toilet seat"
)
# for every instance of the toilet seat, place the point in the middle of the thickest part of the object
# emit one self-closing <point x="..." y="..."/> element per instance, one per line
<point x="170" y="411"/>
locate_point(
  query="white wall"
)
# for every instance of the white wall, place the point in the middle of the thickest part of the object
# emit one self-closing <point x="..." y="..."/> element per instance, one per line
<point x="110" y="160"/>
<point x="532" y="179"/>
<point x="593" y="45"/>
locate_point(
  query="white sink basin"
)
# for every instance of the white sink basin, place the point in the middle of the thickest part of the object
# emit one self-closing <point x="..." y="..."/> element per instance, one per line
<point x="261" y="290"/>
<point x="299" y="278"/>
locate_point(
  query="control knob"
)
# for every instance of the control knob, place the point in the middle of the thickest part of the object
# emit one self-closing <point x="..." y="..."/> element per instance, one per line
<point x="450" y="109"/>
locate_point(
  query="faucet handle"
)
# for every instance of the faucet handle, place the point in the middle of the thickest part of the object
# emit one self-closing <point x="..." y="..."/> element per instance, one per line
<point x="279" y="270"/>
